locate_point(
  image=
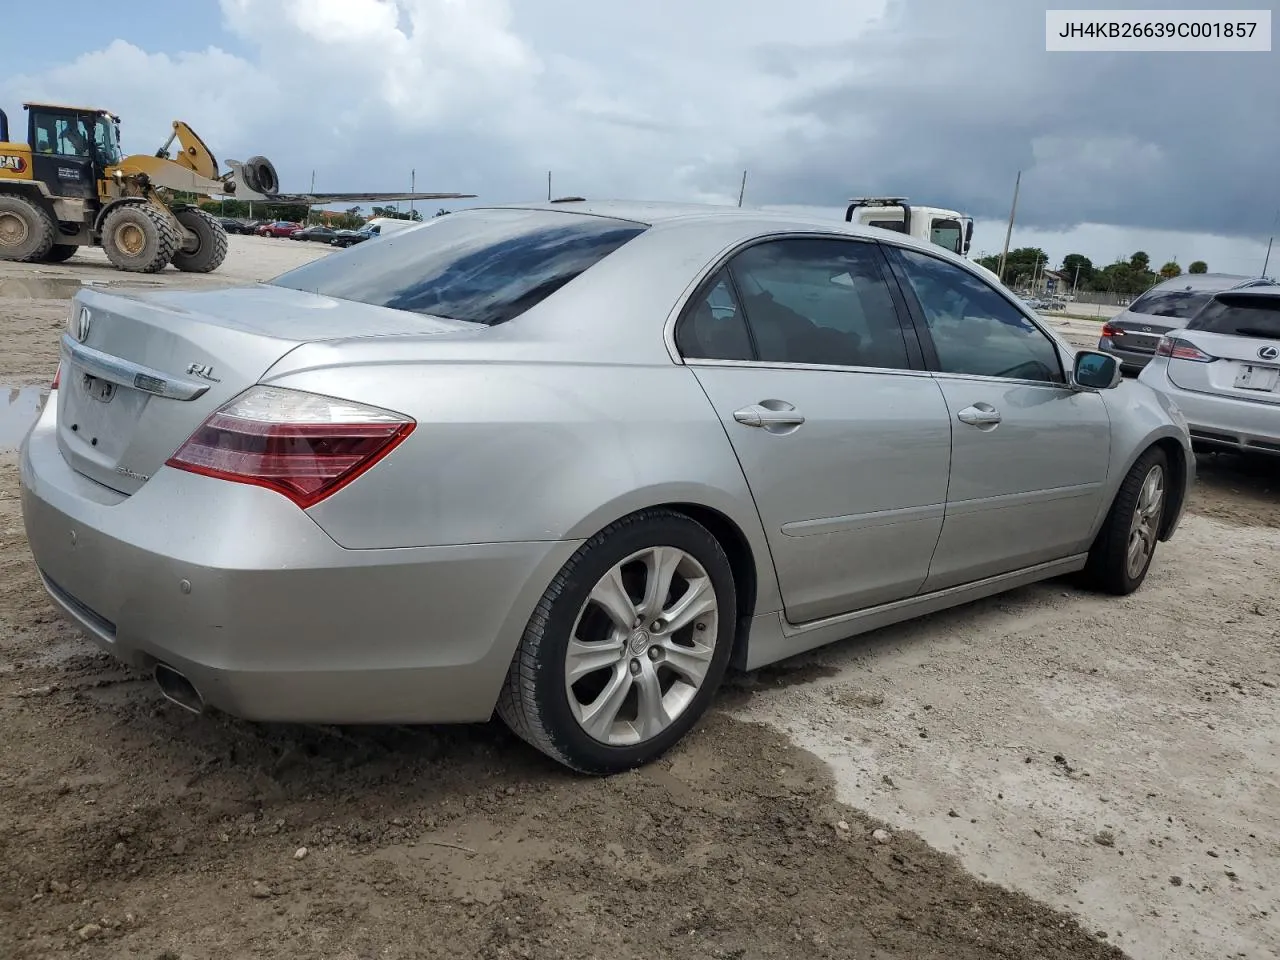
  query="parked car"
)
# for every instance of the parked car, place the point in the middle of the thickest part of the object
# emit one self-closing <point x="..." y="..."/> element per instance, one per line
<point x="570" y="462"/>
<point x="318" y="234"/>
<point x="1222" y="370"/>
<point x="278" y="228"/>
<point x="349" y="238"/>
<point x="1134" y="333"/>
<point x="232" y="225"/>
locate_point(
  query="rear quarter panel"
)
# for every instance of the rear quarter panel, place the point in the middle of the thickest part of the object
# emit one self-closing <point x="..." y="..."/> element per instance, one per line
<point x="534" y="452"/>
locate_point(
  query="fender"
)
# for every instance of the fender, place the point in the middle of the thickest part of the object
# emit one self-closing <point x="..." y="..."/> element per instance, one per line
<point x="101" y="218"/>
<point x="33" y="190"/>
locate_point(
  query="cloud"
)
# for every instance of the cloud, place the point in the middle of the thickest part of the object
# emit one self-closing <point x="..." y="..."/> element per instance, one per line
<point x="820" y="100"/>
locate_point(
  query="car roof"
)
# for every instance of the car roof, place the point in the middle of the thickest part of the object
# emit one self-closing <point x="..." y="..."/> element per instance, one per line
<point x="752" y="219"/>
<point x="1207" y="281"/>
<point x="1261" y="290"/>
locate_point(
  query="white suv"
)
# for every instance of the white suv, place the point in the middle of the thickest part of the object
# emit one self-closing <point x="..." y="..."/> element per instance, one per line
<point x="1223" y="370"/>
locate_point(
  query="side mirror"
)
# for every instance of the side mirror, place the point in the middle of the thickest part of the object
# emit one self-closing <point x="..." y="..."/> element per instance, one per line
<point x="1096" y="371"/>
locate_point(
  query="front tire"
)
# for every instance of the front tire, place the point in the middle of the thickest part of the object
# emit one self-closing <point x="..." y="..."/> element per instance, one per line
<point x="26" y="231"/>
<point x="626" y="647"/>
<point x="210" y="245"/>
<point x="139" y="238"/>
<point x="1126" y="544"/>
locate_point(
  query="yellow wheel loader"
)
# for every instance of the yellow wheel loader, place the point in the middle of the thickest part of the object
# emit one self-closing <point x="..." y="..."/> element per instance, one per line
<point x="70" y="186"/>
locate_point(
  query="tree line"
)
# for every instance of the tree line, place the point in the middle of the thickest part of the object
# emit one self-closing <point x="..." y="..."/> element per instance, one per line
<point x="1126" y="277"/>
<point x="351" y="219"/>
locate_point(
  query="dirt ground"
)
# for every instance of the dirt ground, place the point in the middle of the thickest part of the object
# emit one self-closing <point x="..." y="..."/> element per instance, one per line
<point x="1054" y="774"/>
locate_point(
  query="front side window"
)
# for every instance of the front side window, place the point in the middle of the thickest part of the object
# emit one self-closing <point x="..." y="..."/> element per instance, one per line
<point x="974" y="329"/>
<point x="947" y="234"/>
<point x="62" y="135"/>
<point x="482" y="266"/>
<point x="106" y="142"/>
<point x="819" y="301"/>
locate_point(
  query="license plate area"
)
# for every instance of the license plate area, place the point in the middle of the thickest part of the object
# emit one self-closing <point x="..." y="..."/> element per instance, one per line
<point x="1258" y="379"/>
<point x="99" y="417"/>
<point x="98" y="389"/>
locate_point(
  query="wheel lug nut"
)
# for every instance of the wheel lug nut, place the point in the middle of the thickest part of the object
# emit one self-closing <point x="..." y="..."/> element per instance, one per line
<point x="635" y="667"/>
<point x="657" y="626"/>
<point x="655" y="653"/>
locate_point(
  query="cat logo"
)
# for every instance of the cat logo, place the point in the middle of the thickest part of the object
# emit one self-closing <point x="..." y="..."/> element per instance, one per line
<point x="13" y="163"/>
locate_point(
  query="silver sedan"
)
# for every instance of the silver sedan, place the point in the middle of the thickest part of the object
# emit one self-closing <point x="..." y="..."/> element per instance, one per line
<point x="572" y="462"/>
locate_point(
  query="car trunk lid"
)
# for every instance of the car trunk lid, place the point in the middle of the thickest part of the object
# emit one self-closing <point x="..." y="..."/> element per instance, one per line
<point x="140" y="372"/>
<point x="1139" y="333"/>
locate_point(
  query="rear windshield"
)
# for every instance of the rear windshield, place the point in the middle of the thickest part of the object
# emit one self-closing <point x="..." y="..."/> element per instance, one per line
<point x="1178" y="304"/>
<point x="486" y="266"/>
<point x="1241" y="315"/>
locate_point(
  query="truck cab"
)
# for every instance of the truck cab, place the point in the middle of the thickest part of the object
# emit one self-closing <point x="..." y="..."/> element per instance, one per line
<point x="949" y="229"/>
<point x="946" y="228"/>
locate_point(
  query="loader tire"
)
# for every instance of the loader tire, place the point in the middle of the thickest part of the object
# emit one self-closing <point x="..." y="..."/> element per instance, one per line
<point x="139" y="238"/>
<point x="260" y="175"/>
<point x="60" y="253"/>
<point x="208" y="250"/>
<point x="26" y="231"/>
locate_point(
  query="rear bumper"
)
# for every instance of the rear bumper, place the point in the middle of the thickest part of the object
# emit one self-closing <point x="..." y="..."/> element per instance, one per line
<point x="267" y="617"/>
<point x="1225" y="422"/>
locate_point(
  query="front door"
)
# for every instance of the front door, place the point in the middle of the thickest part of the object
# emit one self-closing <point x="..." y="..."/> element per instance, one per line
<point x="62" y="153"/>
<point x="845" y="446"/>
<point x="1029" y="454"/>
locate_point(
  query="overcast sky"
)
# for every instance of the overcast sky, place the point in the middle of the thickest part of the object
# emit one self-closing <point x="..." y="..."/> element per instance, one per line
<point x="939" y="100"/>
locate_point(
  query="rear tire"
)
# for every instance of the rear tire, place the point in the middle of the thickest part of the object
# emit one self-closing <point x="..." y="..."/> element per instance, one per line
<point x="210" y="246"/>
<point x="1126" y="544"/>
<point x="60" y="253"/>
<point x="26" y="231"/>
<point x="139" y="238"/>
<point x="646" y="682"/>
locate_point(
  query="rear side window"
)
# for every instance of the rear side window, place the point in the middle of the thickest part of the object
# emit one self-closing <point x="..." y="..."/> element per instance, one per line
<point x="1241" y="315"/>
<point x="485" y="266"/>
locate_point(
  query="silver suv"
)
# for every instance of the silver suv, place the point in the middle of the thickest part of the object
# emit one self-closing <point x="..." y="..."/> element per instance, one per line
<point x="1134" y="333"/>
<point x="1222" y="369"/>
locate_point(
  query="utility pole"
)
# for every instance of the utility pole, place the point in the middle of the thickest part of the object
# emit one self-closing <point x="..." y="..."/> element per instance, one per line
<point x="313" y="190"/>
<point x="1009" y="230"/>
<point x="413" y="186"/>
<point x="742" y="189"/>
<point x="1270" y="240"/>
<point x="548" y="186"/>
<point x="1076" y="281"/>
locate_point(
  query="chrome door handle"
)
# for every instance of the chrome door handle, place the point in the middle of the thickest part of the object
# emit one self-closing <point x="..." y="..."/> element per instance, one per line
<point x="759" y="415"/>
<point x="980" y="415"/>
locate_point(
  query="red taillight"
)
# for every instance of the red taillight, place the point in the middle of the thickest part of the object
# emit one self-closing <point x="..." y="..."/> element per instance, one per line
<point x="302" y="445"/>
<point x="1109" y="331"/>
<point x="1177" y="349"/>
<point x="57" y="378"/>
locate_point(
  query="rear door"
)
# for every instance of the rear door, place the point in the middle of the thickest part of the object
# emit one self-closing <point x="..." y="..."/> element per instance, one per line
<point x="1240" y="333"/>
<point x="843" y="439"/>
<point x="1029" y="455"/>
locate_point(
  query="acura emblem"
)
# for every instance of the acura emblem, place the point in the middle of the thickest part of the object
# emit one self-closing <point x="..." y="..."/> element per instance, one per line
<point x="1268" y="353"/>
<point x="82" y="325"/>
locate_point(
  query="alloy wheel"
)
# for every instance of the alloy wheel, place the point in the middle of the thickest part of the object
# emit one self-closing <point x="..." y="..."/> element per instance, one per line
<point x="641" y="646"/>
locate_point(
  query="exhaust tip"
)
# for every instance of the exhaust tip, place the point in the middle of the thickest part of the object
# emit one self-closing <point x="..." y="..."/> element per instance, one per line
<point x="178" y="689"/>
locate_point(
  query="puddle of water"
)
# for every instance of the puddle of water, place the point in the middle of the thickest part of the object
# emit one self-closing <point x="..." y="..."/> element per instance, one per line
<point x="41" y="288"/>
<point x="19" y="408"/>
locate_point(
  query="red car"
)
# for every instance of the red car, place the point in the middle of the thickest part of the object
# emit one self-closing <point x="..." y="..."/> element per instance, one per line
<point x="279" y="228"/>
